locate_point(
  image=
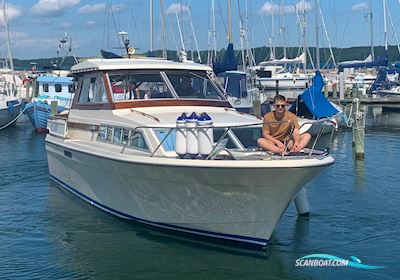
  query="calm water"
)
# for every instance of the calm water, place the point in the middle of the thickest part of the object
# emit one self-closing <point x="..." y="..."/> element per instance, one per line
<point x="48" y="233"/>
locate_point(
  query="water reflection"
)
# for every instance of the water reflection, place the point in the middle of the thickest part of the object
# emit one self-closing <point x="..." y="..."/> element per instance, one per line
<point x="359" y="172"/>
<point x="379" y="118"/>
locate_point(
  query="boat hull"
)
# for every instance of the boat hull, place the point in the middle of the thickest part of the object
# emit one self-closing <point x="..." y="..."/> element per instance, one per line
<point x="38" y="114"/>
<point x="273" y="83"/>
<point x="8" y="116"/>
<point x="241" y="205"/>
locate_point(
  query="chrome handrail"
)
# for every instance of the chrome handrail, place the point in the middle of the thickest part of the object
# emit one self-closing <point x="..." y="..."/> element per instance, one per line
<point x="229" y="128"/>
<point x="171" y="128"/>
<point x="326" y="122"/>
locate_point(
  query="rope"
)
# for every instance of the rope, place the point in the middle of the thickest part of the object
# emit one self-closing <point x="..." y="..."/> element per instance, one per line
<point x="13" y="120"/>
<point x="350" y="121"/>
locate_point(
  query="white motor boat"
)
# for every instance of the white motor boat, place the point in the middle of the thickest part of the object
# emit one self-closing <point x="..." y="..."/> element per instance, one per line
<point x="139" y="157"/>
<point x="272" y="77"/>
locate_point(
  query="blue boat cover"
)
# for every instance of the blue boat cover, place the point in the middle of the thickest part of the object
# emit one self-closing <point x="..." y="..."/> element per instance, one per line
<point x="315" y="101"/>
<point x="109" y="55"/>
<point x="381" y="82"/>
<point x="382" y="60"/>
<point x="228" y="62"/>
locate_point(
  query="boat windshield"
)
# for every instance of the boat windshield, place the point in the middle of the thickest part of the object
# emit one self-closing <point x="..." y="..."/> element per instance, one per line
<point x="138" y="85"/>
<point x="193" y="85"/>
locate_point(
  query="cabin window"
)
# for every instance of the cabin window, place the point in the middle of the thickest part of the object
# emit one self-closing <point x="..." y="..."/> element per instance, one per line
<point x="169" y="142"/>
<point x="243" y="87"/>
<point x="125" y="136"/>
<point x="45" y="87"/>
<point x="137" y="141"/>
<point x="121" y="136"/>
<point x="134" y="86"/>
<point x="117" y="135"/>
<point x="92" y="90"/>
<point x="71" y="88"/>
<point x="194" y="84"/>
<point x="109" y="133"/>
<point x="58" y="87"/>
<point x="101" y="135"/>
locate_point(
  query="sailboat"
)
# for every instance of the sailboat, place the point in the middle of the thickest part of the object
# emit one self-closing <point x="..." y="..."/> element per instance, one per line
<point x="237" y="84"/>
<point x="10" y="105"/>
<point x="272" y="73"/>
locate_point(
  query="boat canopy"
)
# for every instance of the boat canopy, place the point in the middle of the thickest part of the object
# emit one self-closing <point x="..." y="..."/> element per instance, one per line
<point x="368" y="62"/>
<point x="55" y="80"/>
<point x="383" y="80"/>
<point x="312" y="102"/>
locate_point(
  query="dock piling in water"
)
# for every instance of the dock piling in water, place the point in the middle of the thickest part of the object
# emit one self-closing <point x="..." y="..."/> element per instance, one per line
<point x="358" y="130"/>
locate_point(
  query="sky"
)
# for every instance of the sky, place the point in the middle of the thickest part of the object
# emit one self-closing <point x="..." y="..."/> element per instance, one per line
<point x="36" y="26"/>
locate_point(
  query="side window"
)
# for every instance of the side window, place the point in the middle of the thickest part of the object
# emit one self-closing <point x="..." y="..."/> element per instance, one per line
<point x="121" y="136"/>
<point x="109" y="133"/>
<point x="137" y="141"/>
<point x="101" y="135"/>
<point x="71" y="88"/>
<point x="57" y="87"/>
<point x="45" y="87"/>
<point x="117" y="135"/>
<point x="92" y="90"/>
<point x="125" y="136"/>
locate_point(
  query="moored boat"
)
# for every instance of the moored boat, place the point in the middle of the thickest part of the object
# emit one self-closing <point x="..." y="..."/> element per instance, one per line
<point x="56" y="89"/>
<point x="10" y="108"/>
<point x="121" y="150"/>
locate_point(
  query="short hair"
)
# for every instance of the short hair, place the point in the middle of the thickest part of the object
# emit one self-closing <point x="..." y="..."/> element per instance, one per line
<point x="279" y="98"/>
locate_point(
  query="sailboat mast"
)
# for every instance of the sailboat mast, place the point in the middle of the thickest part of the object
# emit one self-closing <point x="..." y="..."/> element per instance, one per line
<point x="151" y="26"/>
<point x="283" y="29"/>
<point x="8" y="44"/>
<point x="371" y="27"/>
<point x="272" y="32"/>
<point x="304" y="38"/>
<point x="164" y="54"/>
<point x="230" y="39"/>
<point x="384" y="25"/>
<point x="317" y="35"/>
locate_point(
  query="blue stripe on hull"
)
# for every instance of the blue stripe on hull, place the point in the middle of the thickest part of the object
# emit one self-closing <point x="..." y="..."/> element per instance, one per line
<point x="259" y="242"/>
<point x="38" y="113"/>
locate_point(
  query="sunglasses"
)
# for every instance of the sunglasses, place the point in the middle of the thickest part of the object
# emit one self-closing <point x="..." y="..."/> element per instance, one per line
<point x="280" y="106"/>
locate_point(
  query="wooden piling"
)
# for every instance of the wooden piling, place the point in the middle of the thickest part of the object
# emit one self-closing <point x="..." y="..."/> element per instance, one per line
<point x="358" y="130"/>
<point x="54" y="107"/>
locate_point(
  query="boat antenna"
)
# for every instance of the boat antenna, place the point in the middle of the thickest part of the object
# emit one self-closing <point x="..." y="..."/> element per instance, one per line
<point x="124" y="36"/>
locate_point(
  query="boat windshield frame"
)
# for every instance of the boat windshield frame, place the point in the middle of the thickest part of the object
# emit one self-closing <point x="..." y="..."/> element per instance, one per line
<point x="133" y="96"/>
<point x="161" y="84"/>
